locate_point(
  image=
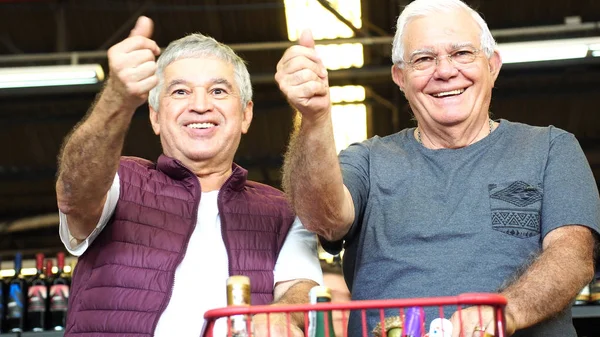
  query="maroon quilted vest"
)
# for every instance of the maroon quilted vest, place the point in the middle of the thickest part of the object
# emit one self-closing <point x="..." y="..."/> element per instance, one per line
<point x="124" y="280"/>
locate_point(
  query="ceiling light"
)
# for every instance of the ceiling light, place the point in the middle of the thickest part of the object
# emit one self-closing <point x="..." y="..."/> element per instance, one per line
<point x="24" y="77"/>
<point x="550" y="50"/>
<point x="302" y="14"/>
<point x="349" y="124"/>
<point x="310" y="14"/>
<point x="347" y="94"/>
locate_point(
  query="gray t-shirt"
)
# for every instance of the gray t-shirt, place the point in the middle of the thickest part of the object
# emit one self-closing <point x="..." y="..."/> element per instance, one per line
<point x="451" y="221"/>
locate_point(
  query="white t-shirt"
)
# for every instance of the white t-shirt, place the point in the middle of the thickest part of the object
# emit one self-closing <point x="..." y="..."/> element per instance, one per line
<point x="184" y="315"/>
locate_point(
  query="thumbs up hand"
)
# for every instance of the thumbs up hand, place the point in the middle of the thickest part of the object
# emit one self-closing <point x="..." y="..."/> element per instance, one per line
<point x="132" y="66"/>
<point x="302" y="78"/>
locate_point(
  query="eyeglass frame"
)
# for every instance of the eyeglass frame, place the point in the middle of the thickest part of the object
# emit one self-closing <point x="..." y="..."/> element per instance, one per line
<point x="437" y="58"/>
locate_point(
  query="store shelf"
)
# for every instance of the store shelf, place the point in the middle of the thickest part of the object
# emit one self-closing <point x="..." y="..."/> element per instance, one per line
<point x="586" y="311"/>
<point x="35" y="334"/>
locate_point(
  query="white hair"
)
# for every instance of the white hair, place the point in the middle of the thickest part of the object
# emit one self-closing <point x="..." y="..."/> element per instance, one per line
<point x="421" y="8"/>
<point x="198" y="45"/>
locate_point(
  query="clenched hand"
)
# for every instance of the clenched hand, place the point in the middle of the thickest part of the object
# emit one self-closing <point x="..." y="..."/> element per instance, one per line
<point x="302" y="78"/>
<point x="132" y="65"/>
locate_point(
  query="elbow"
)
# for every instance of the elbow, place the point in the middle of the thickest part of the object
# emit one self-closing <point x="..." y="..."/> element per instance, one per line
<point x="330" y="231"/>
<point x="64" y="198"/>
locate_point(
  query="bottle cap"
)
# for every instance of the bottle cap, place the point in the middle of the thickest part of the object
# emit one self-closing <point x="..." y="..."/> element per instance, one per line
<point x="320" y="291"/>
<point x="238" y="290"/>
<point x="238" y="280"/>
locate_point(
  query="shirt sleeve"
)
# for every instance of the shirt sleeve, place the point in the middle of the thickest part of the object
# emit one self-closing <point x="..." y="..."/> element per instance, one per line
<point x="570" y="191"/>
<point x="109" y="208"/>
<point x="298" y="258"/>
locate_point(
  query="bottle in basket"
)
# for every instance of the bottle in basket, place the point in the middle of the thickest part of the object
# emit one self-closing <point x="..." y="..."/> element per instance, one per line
<point x="320" y="322"/>
<point x="238" y="294"/>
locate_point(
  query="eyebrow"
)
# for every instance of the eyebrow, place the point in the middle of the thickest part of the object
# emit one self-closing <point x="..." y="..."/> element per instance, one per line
<point x="429" y="50"/>
<point x="212" y="81"/>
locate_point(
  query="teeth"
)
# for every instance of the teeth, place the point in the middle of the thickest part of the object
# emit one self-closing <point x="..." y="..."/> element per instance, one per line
<point x="200" y="125"/>
<point x="449" y="93"/>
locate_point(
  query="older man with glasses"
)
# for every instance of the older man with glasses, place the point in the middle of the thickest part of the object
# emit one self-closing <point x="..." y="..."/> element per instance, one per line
<point x="459" y="203"/>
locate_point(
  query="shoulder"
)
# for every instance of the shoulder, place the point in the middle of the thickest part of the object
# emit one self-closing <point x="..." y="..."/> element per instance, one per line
<point x="526" y="129"/>
<point x="136" y="162"/>
<point x="264" y="190"/>
<point x="267" y="196"/>
<point x="530" y="134"/>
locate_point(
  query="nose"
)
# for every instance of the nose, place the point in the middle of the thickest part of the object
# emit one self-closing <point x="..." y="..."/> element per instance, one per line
<point x="445" y="68"/>
<point x="200" y="102"/>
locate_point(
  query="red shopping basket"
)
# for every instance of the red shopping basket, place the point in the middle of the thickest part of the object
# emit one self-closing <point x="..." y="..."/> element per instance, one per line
<point x="380" y="308"/>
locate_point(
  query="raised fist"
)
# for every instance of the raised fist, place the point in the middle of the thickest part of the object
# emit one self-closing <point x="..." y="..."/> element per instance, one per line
<point x="132" y="65"/>
<point x="302" y="78"/>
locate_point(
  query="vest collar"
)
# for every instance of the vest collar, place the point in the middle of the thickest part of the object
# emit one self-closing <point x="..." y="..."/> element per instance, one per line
<point x="176" y="170"/>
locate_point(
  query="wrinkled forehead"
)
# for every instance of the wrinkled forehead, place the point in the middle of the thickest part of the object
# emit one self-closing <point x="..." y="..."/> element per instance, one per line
<point x="201" y="67"/>
<point x="441" y="32"/>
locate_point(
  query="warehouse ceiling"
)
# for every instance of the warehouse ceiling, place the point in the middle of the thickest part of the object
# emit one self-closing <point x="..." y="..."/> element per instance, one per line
<point x="34" y="122"/>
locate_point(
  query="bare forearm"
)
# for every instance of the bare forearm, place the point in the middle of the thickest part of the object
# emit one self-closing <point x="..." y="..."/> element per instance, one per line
<point x="312" y="179"/>
<point x="88" y="163"/>
<point x="297" y="294"/>
<point x="553" y="279"/>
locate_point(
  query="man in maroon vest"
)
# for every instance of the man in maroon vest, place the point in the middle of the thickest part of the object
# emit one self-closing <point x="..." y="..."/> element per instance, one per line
<point x="158" y="240"/>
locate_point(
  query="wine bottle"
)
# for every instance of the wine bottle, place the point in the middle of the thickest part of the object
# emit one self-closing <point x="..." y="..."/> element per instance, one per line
<point x="2" y="292"/>
<point x="37" y="296"/>
<point x="320" y="322"/>
<point x="238" y="294"/>
<point x="16" y="305"/>
<point x="49" y="280"/>
<point x="59" y="296"/>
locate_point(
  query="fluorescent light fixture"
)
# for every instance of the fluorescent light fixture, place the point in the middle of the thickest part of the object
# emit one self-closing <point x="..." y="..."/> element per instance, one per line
<point x="25" y="77"/>
<point x="341" y="56"/>
<point x="303" y="14"/>
<point x="349" y="124"/>
<point x="535" y="51"/>
<point x="347" y="94"/>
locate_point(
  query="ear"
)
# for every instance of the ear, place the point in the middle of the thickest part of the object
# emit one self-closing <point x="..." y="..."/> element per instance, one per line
<point x="495" y="63"/>
<point x="248" y="113"/>
<point x="398" y="77"/>
<point x="154" y="120"/>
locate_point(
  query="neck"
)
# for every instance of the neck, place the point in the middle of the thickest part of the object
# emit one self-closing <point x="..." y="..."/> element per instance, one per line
<point x="211" y="176"/>
<point x="454" y="137"/>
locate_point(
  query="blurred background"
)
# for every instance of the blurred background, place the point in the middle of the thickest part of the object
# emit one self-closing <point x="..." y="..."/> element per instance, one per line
<point x="551" y="75"/>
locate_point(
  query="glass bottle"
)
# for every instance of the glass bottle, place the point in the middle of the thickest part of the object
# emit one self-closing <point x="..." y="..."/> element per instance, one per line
<point x="16" y="305"/>
<point x="2" y="296"/>
<point x="320" y="322"/>
<point x="238" y="294"/>
<point x="59" y="296"/>
<point x="37" y="296"/>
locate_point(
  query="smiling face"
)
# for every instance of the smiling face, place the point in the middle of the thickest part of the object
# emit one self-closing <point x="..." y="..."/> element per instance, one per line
<point x="450" y="93"/>
<point x="200" y="118"/>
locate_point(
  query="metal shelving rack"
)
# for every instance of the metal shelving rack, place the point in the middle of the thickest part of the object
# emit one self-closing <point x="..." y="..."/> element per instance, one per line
<point x="34" y="334"/>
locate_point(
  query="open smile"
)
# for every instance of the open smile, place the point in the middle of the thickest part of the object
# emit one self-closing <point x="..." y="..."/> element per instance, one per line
<point x="448" y="93"/>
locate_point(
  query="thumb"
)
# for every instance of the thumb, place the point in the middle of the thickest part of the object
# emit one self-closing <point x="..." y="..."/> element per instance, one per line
<point x="144" y="26"/>
<point x="306" y="39"/>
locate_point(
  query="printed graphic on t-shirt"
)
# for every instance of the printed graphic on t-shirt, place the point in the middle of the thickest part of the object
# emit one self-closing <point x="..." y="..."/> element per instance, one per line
<point x="516" y="208"/>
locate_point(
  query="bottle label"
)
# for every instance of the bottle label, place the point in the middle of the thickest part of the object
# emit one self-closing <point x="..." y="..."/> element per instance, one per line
<point x="37" y="298"/>
<point x="59" y="297"/>
<point x="15" y="302"/>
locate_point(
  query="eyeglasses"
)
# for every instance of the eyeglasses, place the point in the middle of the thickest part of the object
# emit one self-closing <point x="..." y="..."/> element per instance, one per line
<point x="427" y="61"/>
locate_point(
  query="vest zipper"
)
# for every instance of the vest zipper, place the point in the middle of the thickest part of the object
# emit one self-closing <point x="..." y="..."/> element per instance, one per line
<point x="167" y="299"/>
<point x="223" y="226"/>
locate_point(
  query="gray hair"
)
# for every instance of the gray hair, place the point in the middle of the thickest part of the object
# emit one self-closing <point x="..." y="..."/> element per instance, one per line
<point x="198" y="45"/>
<point x="421" y="8"/>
